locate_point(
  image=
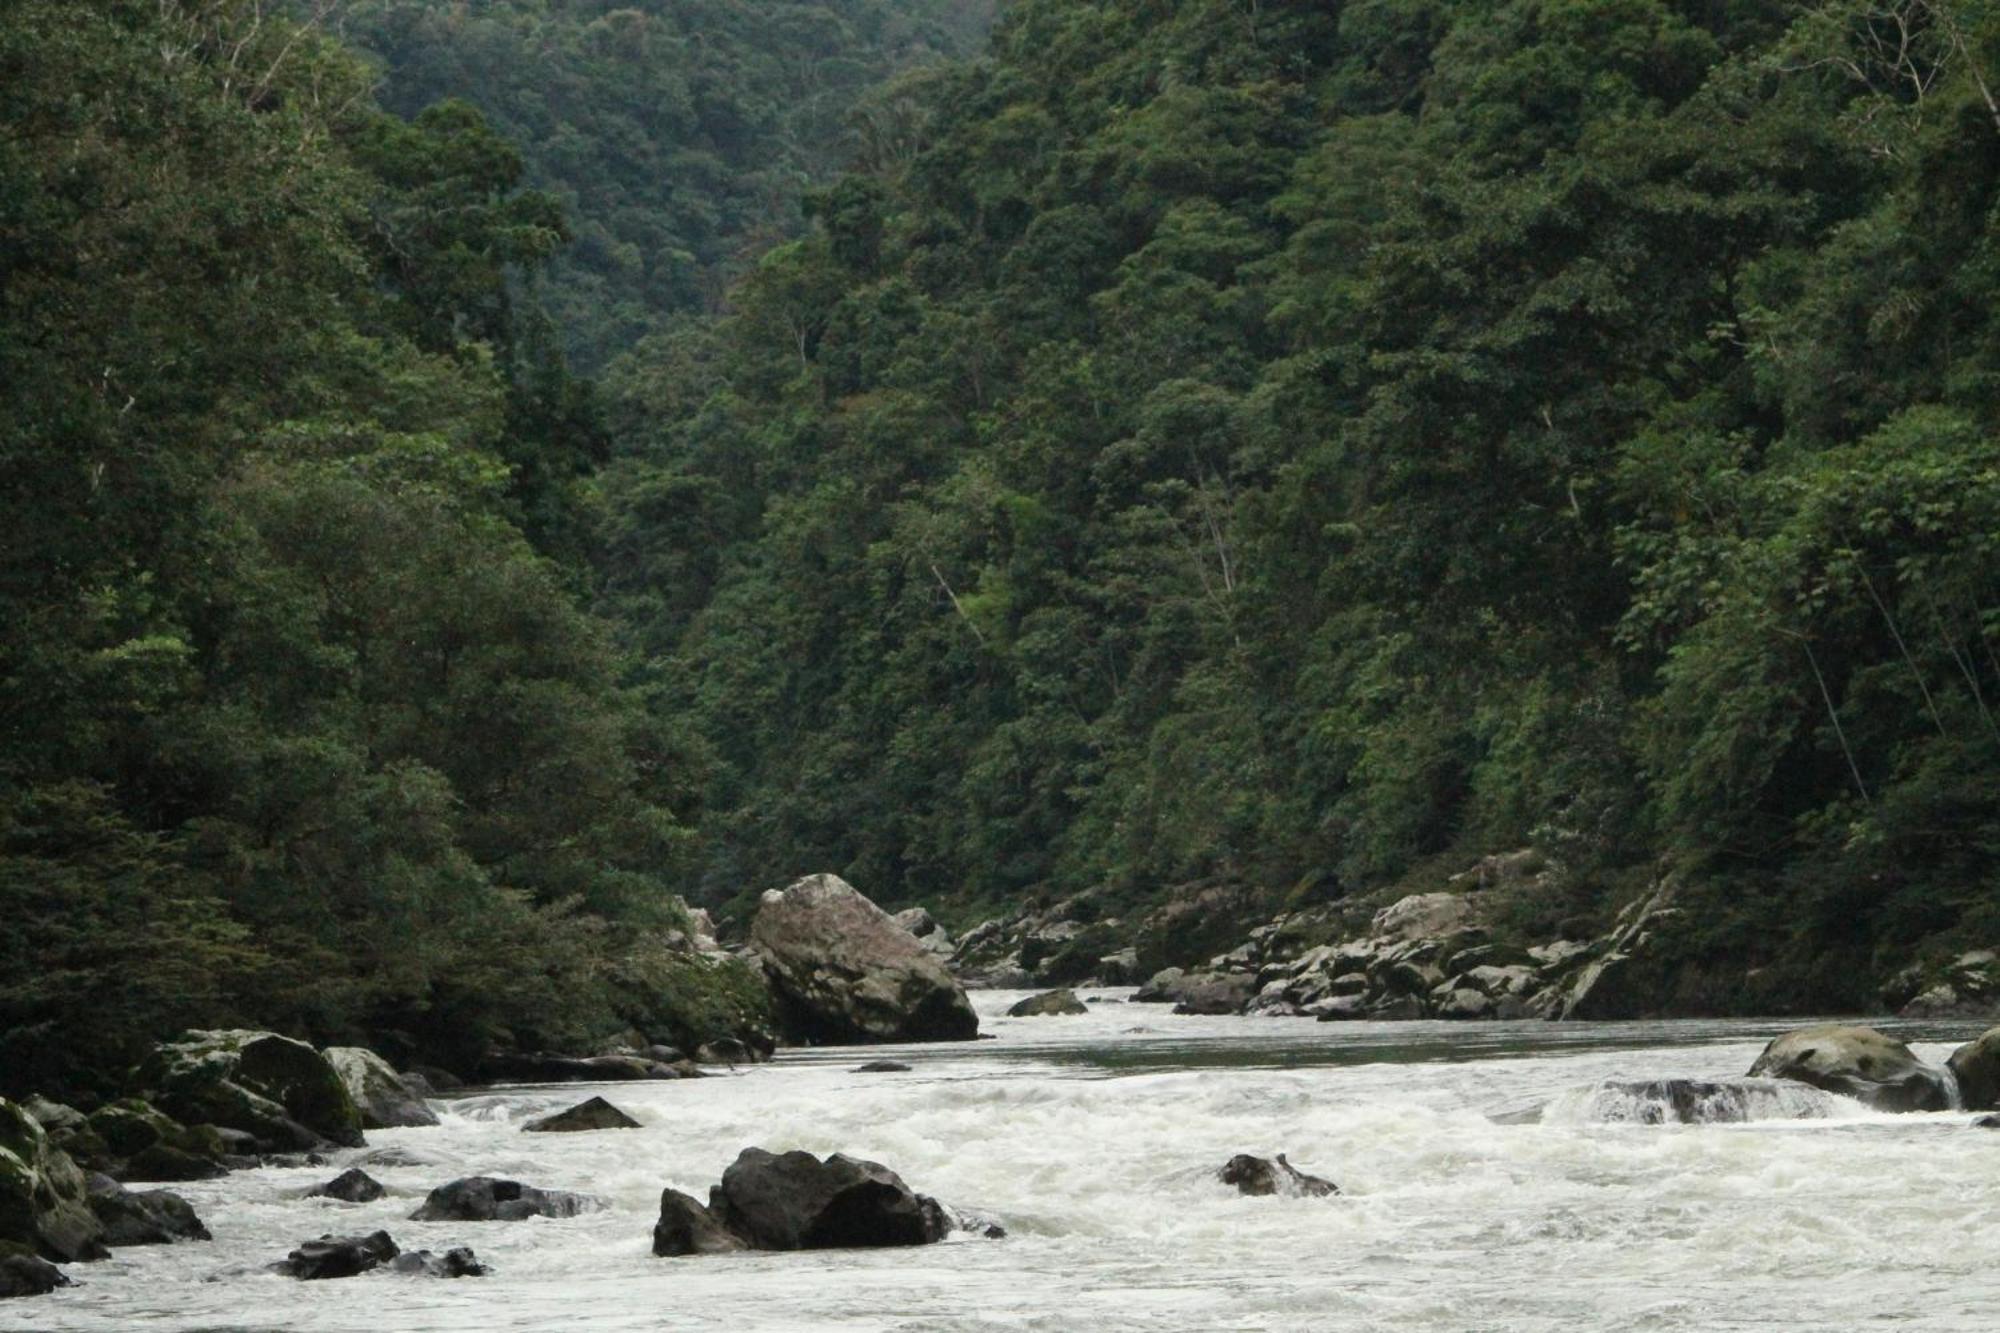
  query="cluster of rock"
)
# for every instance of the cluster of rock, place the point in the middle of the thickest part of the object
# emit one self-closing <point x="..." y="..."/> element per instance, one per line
<point x="1263" y="1176"/>
<point x="1429" y="955"/>
<point x="351" y="1256"/>
<point x="796" y="1201"/>
<point x="1967" y="986"/>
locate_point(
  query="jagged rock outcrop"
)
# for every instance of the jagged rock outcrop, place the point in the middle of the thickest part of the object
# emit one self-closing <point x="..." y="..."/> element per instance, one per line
<point x="686" y="1226"/>
<point x="485" y="1199"/>
<point x="925" y="930"/>
<point x="1967" y="986"/>
<point x="1266" y="1176"/>
<point x="44" y="1202"/>
<point x="132" y="1139"/>
<point x="581" y="1118"/>
<point x="842" y="971"/>
<point x="1049" y="1004"/>
<point x="384" y="1098"/>
<point x="282" y="1092"/>
<point x="1857" y="1062"/>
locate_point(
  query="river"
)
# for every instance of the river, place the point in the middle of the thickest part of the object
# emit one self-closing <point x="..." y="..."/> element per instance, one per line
<point x="1094" y="1139"/>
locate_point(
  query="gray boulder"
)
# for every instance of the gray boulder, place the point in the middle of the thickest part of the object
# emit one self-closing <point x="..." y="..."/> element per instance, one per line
<point x="147" y="1217"/>
<point x="338" y="1256"/>
<point x="1857" y="1062"/>
<point x="584" y="1116"/>
<point x="686" y="1227"/>
<point x="458" y="1262"/>
<point x="1423" y="916"/>
<point x="795" y="1201"/>
<point x="351" y="1186"/>
<point x="384" y="1098"/>
<point x="1161" y="988"/>
<point x="1214" y="992"/>
<point x="1976" y="1065"/>
<point x="485" y="1199"/>
<point x="842" y="971"/>
<point x="1049" y="1004"/>
<point x="1264" y="1176"/>
<point x="923" y="928"/>
<point x="27" y="1275"/>
<point x="44" y="1204"/>
<point x="282" y="1091"/>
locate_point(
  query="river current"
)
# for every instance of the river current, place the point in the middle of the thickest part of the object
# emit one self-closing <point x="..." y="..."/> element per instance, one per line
<point x="1094" y="1139"/>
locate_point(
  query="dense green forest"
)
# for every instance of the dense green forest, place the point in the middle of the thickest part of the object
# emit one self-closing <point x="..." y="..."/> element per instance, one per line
<point x="1283" y="442"/>
<point x="1257" y="441"/>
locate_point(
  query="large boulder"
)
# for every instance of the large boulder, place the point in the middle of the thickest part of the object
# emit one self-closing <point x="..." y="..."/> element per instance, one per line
<point x="147" y="1217"/>
<point x="484" y="1199"/>
<point x="135" y="1139"/>
<point x="1263" y="1176"/>
<point x="384" y="1098"/>
<point x="686" y="1227"/>
<point x="843" y="971"/>
<point x="795" y="1201"/>
<point x="1213" y="992"/>
<point x="28" y="1275"/>
<point x="1857" y="1062"/>
<point x="282" y="1091"/>
<point x="1049" y="1004"/>
<point x="44" y="1204"/>
<point x="1976" y="1065"/>
<point x="587" y="1115"/>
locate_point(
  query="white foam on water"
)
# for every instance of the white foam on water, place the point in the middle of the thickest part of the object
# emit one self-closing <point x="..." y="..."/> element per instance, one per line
<point x="1096" y="1146"/>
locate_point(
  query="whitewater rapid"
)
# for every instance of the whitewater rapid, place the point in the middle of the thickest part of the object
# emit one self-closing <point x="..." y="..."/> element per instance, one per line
<point x="1094" y="1139"/>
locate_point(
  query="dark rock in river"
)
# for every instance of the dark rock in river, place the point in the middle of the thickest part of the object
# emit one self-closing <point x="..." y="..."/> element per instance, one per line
<point x="593" y="1114"/>
<point x="1976" y="1065"/>
<point x="484" y="1199"/>
<point x="44" y="1205"/>
<point x="337" y="1256"/>
<point x="1049" y="1004"/>
<point x="1987" y="1122"/>
<point x="147" y="1217"/>
<point x="1857" y="1062"/>
<point x="795" y="1201"/>
<point x="686" y="1227"/>
<point x="351" y="1186"/>
<point x="1262" y="1176"/>
<point x="134" y="1139"/>
<point x="731" y="1051"/>
<point x="282" y="1091"/>
<point x="1688" y="1101"/>
<point x="843" y="971"/>
<point x="459" y="1262"/>
<point x="882" y="1067"/>
<point x="385" y="1098"/>
<point x="29" y="1275"/>
<point x="543" y="1067"/>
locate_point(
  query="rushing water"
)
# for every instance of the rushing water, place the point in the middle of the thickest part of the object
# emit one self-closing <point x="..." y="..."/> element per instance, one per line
<point x="1095" y="1138"/>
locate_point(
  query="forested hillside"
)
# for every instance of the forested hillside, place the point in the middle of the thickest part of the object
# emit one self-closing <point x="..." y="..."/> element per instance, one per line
<point x="677" y="136"/>
<point x="1282" y="442"/>
<point x="302" y="725"/>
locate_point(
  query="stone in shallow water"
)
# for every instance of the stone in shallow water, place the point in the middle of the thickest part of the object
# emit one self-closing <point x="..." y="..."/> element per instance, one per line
<point x="351" y="1186"/>
<point x="584" y="1116"/>
<point x="1262" y="1176"/>
<point x="484" y="1199"/>
<point x="27" y="1275"/>
<point x="149" y="1217"/>
<point x="795" y="1201"/>
<point x="338" y="1256"/>
<point x="882" y="1067"/>
<point x="1049" y="1004"/>
<point x="458" y="1262"/>
<point x="1857" y="1062"/>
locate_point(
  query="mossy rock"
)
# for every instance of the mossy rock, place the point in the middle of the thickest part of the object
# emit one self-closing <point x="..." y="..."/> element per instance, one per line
<point x="43" y="1204"/>
<point x="282" y="1091"/>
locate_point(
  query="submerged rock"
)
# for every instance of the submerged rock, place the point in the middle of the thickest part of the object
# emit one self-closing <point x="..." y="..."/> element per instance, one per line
<point x="385" y="1099"/>
<point x="843" y="971"/>
<point x="686" y="1227"/>
<point x="457" y="1262"/>
<point x="545" y="1067"/>
<point x="337" y="1256"/>
<point x="44" y="1204"/>
<point x="29" y="1275"/>
<point x="882" y="1067"/>
<point x="1857" y="1062"/>
<point x="282" y="1091"/>
<point x="351" y="1186"/>
<point x="795" y="1201"/>
<point x="147" y="1217"/>
<point x="1687" y="1101"/>
<point x="584" y="1116"/>
<point x="1049" y="1004"/>
<point x="1264" y="1176"/>
<point x="485" y="1199"/>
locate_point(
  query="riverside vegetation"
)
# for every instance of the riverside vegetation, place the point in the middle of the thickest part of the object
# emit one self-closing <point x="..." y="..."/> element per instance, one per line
<point x="1264" y="457"/>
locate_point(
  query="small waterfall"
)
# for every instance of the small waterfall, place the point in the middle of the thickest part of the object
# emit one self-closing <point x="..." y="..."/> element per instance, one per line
<point x="1687" y="1101"/>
